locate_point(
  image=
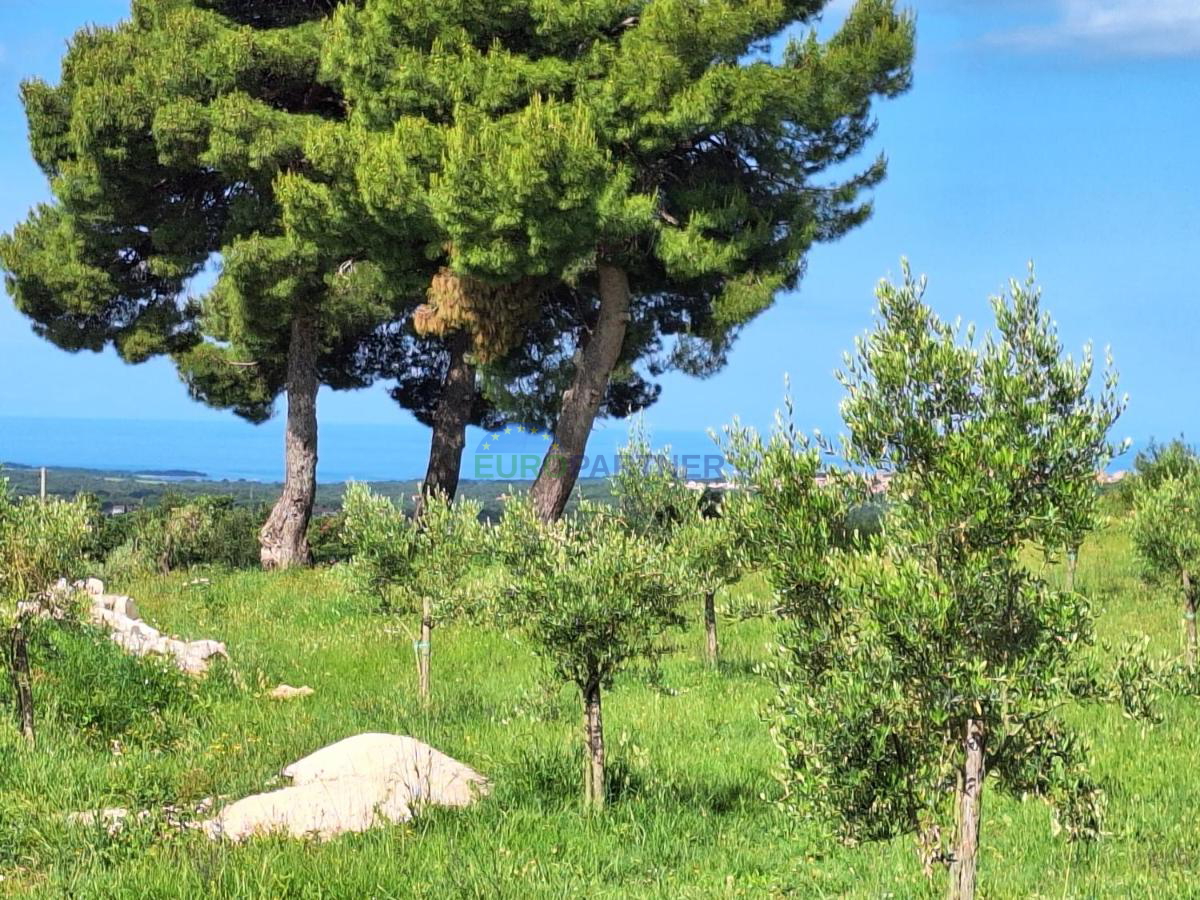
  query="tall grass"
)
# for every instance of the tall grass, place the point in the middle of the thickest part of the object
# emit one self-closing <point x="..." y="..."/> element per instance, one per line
<point x="691" y="812"/>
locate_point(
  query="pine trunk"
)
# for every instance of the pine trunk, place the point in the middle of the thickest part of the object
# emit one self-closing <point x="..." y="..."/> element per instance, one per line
<point x="18" y="660"/>
<point x="425" y="650"/>
<point x="581" y="401"/>
<point x="711" y="648"/>
<point x="450" y="422"/>
<point x="970" y="809"/>
<point x="284" y="537"/>
<point x="593" y="735"/>
<point x="1189" y="619"/>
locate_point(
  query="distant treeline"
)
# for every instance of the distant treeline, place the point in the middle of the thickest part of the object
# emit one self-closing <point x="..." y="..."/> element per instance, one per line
<point x="124" y="491"/>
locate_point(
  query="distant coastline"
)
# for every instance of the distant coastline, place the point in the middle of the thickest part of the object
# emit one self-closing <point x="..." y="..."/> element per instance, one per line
<point x="232" y="452"/>
<point x="139" y="473"/>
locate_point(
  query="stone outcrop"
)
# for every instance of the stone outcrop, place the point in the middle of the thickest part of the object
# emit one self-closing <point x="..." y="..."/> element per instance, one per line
<point x="351" y="786"/>
<point x="119" y="614"/>
<point x="115" y="819"/>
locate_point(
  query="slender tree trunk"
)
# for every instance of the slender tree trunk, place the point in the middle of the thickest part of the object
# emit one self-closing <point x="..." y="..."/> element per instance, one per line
<point x="593" y="735"/>
<point x="284" y="537"/>
<point x="581" y="401"/>
<point x="970" y="809"/>
<point x="1189" y="619"/>
<point x="425" y="650"/>
<point x="1072" y="565"/>
<point x="450" y="422"/>
<point x="18" y="661"/>
<point x="711" y="649"/>
<point x="587" y="756"/>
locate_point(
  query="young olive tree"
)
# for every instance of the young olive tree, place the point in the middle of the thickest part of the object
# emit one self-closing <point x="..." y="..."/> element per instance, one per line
<point x="1078" y="524"/>
<point x="39" y="542"/>
<point x="421" y="561"/>
<point x="712" y="554"/>
<point x="592" y="598"/>
<point x="1166" y="538"/>
<point x="1161" y="462"/>
<point x="653" y="501"/>
<point x="935" y="659"/>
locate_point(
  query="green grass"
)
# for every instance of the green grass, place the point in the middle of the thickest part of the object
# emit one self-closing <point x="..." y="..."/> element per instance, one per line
<point x="691" y="811"/>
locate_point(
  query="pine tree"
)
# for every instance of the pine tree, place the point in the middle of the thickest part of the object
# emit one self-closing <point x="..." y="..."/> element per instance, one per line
<point x="634" y="150"/>
<point x="637" y="155"/>
<point x="168" y="143"/>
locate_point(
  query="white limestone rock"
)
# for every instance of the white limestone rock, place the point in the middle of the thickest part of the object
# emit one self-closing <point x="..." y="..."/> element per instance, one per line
<point x="351" y="786"/>
<point x="431" y="776"/>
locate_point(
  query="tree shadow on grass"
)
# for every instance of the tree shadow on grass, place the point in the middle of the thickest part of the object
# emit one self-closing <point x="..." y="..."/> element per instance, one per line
<point x="627" y="784"/>
<point x="556" y="779"/>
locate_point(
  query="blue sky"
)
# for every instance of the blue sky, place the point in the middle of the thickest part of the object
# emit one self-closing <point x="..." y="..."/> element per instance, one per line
<point x="1058" y="131"/>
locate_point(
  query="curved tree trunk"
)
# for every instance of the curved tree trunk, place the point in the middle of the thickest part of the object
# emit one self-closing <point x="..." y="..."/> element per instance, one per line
<point x="581" y="401"/>
<point x="450" y="421"/>
<point x="284" y="537"/>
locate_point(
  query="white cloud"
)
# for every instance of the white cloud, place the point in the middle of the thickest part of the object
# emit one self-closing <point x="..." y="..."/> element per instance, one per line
<point x="1115" y="27"/>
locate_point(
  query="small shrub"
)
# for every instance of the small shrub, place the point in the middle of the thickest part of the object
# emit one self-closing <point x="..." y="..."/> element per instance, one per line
<point x="325" y="539"/>
<point x="381" y="541"/>
<point x="127" y="563"/>
<point x="181" y="533"/>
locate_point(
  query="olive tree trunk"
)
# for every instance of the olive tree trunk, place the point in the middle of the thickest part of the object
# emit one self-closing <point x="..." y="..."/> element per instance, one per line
<point x="1189" y="619"/>
<point x="284" y="537"/>
<point x="450" y="422"/>
<point x="711" y="648"/>
<point x="18" y="662"/>
<point x="581" y="401"/>
<point x="593" y="737"/>
<point x="425" y="650"/>
<point x="970" y="808"/>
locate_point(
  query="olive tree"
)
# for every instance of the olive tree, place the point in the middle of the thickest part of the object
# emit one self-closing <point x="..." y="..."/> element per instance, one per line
<point x="423" y="559"/>
<point x="1160" y="462"/>
<point x="654" y="501"/>
<point x="40" y="541"/>
<point x="1166" y="538"/>
<point x="934" y="659"/>
<point x="592" y="598"/>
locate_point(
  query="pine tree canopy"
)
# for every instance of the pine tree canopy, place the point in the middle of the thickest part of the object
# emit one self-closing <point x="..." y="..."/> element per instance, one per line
<point x="533" y="138"/>
<point x="167" y="143"/>
<point x="334" y="157"/>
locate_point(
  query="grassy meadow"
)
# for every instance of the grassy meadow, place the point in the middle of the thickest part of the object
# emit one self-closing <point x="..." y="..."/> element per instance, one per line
<point x="691" y="812"/>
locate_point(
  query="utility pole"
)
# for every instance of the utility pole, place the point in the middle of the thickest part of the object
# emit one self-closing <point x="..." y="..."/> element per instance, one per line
<point x="43" y="490"/>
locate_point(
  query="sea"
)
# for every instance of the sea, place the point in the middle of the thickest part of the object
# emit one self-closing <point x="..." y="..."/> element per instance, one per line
<point x="234" y="450"/>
